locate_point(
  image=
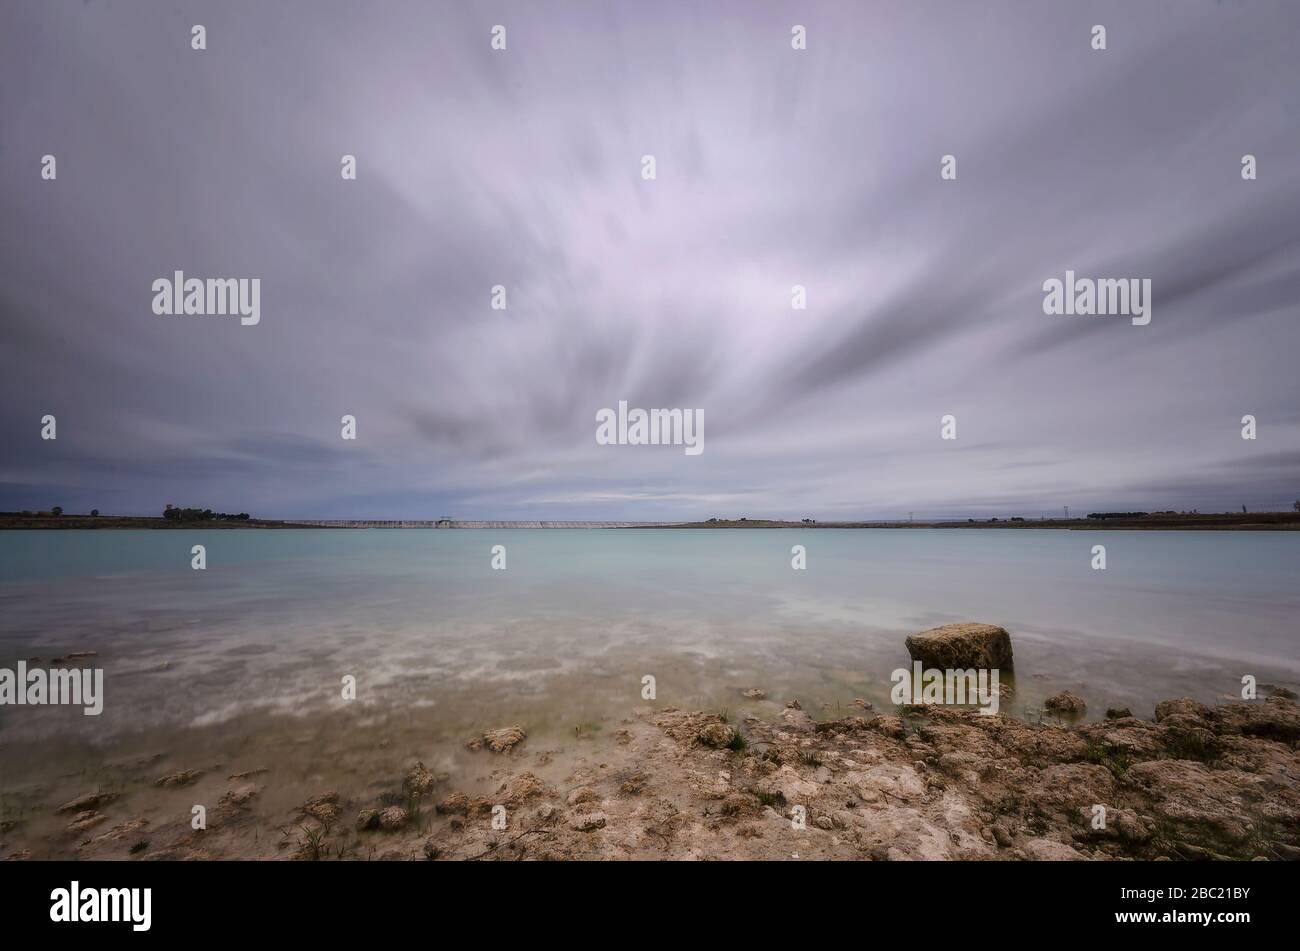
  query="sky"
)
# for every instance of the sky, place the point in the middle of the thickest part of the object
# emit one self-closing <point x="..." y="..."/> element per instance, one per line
<point x="774" y="167"/>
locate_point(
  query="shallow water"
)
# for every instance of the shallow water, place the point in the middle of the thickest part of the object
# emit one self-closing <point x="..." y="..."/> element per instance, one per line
<point x="244" y="661"/>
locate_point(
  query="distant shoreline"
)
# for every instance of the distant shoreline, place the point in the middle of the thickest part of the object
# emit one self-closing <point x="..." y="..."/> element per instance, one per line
<point x="55" y="522"/>
<point x="1260" y="521"/>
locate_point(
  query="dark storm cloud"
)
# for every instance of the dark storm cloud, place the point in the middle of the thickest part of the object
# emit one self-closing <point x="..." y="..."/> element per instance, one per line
<point x="775" y="168"/>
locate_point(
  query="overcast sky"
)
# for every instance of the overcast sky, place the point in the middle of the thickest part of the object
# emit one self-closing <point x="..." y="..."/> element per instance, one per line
<point x="775" y="167"/>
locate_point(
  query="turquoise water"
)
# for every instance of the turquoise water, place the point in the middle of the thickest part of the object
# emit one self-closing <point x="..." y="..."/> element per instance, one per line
<point x="566" y="633"/>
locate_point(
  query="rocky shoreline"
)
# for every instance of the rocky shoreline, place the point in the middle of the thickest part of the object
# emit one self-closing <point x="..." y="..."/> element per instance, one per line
<point x="1196" y="782"/>
<point x="922" y="781"/>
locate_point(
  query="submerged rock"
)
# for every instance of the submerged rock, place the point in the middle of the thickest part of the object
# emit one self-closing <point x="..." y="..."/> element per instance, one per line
<point x="587" y="821"/>
<point x="85" y="820"/>
<point x="183" y="778"/>
<point x="962" y="646"/>
<point x="1066" y="703"/>
<point x="324" y="808"/>
<point x="237" y="799"/>
<point x="88" y="801"/>
<point x="419" y="781"/>
<point x="498" y="741"/>
<point x="249" y="773"/>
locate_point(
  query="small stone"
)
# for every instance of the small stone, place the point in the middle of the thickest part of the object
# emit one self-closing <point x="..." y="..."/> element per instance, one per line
<point x="85" y="820"/>
<point x="521" y="788"/>
<point x="457" y="804"/>
<point x="753" y="693"/>
<point x="88" y="801"/>
<point x="587" y="821"/>
<point x="324" y="808"/>
<point x="1118" y="713"/>
<point x="183" y="778"/>
<point x="367" y="819"/>
<point x="583" y="794"/>
<point x="249" y="772"/>
<point x="715" y="734"/>
<point x="238" y="798"/>
<point x="419" y="780"/>
<point x="393" y="818"/>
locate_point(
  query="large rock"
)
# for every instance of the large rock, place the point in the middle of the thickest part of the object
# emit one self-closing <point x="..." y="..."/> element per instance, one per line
<point x="962" y="646"/>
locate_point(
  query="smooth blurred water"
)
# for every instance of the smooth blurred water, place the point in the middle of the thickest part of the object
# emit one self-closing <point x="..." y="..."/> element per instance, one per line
<point x="565" y="634"/>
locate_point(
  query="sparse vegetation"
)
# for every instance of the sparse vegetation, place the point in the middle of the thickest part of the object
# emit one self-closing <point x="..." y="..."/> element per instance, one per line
<point x="314" y="844"/>
<point x="174" y="514"/>
<point x="1114" y="758"/>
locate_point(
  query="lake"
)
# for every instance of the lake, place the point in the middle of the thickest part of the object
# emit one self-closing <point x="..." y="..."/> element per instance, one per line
<point x="246" y="658"/>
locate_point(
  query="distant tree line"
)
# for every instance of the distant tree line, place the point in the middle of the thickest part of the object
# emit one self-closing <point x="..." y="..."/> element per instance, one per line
<point x="174" y="514"/>
<point x="1118" y="514"/>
